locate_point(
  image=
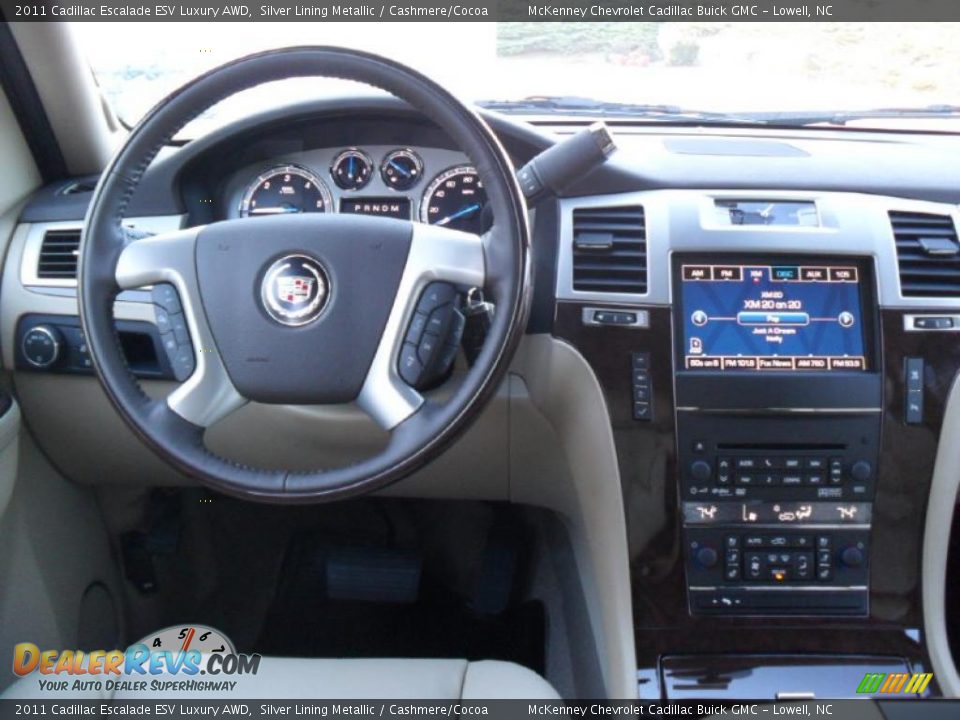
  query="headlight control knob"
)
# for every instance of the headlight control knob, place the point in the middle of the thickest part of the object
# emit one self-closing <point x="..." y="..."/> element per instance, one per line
<point x="42" y="346"/>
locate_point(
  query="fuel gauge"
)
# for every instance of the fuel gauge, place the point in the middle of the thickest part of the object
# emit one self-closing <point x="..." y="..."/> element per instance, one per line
<point x="351" y="169"/>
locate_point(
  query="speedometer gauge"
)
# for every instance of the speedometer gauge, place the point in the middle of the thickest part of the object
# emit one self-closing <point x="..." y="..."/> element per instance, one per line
<point x="455" y="199"/>
<point x="286" y="189"/>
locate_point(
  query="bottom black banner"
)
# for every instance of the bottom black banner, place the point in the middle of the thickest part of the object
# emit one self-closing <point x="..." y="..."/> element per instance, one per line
<point x="865" y="709"/>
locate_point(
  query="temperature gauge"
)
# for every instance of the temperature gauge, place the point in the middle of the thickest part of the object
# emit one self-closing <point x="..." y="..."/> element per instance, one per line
<point x="401" y="169"/>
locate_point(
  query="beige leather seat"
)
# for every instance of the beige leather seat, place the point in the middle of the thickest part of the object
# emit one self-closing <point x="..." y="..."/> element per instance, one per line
<point x="319" y="679"/>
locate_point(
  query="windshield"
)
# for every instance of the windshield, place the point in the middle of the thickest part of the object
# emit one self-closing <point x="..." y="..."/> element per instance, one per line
<point x="798" y="71"/>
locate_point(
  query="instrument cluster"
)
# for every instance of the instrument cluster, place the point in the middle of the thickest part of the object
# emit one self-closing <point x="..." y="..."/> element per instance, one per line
<point x="429" y="185"/>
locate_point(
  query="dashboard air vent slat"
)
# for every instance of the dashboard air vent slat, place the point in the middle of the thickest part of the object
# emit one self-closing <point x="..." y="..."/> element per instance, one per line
<point x="928" y="253"/>
<point x="58" y="254"/>
<point x="610" y="250"/>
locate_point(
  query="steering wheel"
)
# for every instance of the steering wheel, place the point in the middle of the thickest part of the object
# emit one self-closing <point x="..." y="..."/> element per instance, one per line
<point x="303" y="309"/>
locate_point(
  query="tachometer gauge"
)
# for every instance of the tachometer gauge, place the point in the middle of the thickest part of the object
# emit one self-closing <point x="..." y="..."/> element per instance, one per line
<point x="455" y="199"/>
<point x="401" y="169"/>
<point x="286" y="189"/>
<point x="182" y="638"/>
<point x="351" y="169"/>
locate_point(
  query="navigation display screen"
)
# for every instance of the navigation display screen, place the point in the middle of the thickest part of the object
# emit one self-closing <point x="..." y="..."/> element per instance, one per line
<point x="758" y="317"/>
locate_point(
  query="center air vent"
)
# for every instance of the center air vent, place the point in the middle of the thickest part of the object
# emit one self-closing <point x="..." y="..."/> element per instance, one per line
<point x="928" y="253"/>
<point x="610" y="250"/>
<point x="58" y="254"/>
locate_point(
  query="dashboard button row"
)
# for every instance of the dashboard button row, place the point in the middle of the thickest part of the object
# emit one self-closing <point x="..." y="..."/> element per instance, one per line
<point x="641" y="386"/>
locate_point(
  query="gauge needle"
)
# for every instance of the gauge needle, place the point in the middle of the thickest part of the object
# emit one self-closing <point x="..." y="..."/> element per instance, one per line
<point x="187" y="640"/>
<point x="460" y="213"/>
<point x="273" y="210"/>
<point x="399" y="168"/>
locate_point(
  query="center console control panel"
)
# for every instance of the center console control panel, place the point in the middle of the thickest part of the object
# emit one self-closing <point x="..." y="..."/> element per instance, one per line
<point x="779" y="397"/>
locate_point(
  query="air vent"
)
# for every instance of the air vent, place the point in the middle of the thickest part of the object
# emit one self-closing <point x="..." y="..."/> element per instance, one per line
<point x="58" y="254"/>
<point x="928" y="252"/>
<point x="77" y="187"/>
<point x="610" y="250"/>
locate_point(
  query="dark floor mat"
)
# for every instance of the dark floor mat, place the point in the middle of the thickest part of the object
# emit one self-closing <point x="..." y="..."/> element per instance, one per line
<point x="303" y="622"/>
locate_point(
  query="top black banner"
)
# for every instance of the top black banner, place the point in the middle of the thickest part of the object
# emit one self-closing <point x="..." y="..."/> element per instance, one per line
<point x="485" y="10"/>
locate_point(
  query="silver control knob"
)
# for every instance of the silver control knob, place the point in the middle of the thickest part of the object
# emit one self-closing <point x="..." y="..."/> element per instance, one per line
<point x="41" y="346"/>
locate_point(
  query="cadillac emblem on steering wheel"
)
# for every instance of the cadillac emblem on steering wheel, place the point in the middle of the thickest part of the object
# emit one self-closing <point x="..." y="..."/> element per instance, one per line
<point x="295" y="290"/>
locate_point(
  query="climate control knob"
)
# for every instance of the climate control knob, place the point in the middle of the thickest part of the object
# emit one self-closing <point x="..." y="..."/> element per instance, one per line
<point x="701" y="470"/>
<point x="707" y="557"/>
<point x="852" y="556"/>
<point x="41" y="346"/>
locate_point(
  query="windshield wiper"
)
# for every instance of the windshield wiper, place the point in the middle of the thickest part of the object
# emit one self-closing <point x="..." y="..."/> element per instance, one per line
<point x="842" y="117"/>
<point x="570" y="105"/>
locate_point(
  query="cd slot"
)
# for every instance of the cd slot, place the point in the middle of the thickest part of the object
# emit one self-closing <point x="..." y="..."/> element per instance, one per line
<point x="780" y="447"/>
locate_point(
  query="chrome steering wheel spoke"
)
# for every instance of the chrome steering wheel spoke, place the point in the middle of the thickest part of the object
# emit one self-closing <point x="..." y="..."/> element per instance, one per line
<point x="436" y="254"/>
<point x="208" y="394"/>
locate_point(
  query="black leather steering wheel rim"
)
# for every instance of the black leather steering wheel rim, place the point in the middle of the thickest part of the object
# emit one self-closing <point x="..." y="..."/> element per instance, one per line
<point x="420" y="437"/>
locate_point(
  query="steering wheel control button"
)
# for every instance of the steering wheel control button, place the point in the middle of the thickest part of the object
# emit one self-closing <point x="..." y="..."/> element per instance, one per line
<point x="410" y="367"/>
<point x="295" y="290"/>
<point x="436" y="294"/>
<point x="417" y="325"/>
<point x="427" y="348"/>
<point x="174" y="336"/>
<point x="433" y="336"/>
<point x="166" y="297"/>
<point x="183" y="363"/>
<point x="41" y="346"/>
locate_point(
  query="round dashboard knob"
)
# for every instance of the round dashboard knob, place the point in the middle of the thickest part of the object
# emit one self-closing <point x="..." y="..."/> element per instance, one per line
<point x="701" y="470"/>
<point x="41" y="346"/>
<point x="707" y="557"/>
<point x="861" y="470"/>
<point x="852" y="556"/>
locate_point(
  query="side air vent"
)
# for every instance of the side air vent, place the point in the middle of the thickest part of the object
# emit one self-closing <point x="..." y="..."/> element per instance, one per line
<point x="58" y="254"/>
<point x="610" y="250"/>
<point x="77" y="187"/>
<point x="928" y="252"/>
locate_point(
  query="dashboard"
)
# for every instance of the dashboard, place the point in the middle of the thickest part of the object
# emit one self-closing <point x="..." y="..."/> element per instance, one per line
<point x="771" y="317"/>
